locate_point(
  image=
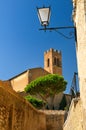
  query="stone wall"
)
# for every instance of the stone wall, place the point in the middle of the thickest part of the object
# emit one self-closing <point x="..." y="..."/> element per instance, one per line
<point x="49" y="61"/>
<point x="75" y="116"/>
<point x="17" y="114"/>
<point x="54" y="119"/>
<point x="79" y="15"/>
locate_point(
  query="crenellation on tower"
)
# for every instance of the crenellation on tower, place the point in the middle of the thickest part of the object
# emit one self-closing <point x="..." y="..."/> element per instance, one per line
<point x="52" y="50"/>
<point x="45" y="52"/>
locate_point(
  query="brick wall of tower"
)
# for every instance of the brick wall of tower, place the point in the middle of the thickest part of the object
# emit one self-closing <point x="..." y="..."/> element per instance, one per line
<point x="51" y="67"/>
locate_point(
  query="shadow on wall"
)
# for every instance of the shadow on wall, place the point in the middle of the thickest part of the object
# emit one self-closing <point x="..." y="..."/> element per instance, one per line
<point x="16" y="113"/>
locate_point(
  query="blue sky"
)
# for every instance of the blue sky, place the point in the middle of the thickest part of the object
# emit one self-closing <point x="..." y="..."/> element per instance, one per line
<point x="22" y="45"/>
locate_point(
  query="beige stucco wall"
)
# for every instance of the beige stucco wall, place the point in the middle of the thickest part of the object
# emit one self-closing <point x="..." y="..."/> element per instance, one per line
<point x="35" y="73"/>
<point x="19" y="83"/>
<point x="75" y="116"/>
<point x="56" y="101"/>
<point x="80" y="22"/>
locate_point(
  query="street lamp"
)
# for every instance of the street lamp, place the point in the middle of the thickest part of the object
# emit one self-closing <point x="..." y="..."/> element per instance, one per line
<point x="44" y="18"/>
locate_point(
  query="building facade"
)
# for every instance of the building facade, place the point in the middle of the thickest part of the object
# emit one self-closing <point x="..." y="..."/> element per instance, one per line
<point x="79" y="17"/>
<point x="52" y="65"/>
<point x="77" y="113"/>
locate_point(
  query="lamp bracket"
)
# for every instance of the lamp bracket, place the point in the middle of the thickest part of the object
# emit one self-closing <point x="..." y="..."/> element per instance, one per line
<point x="71" y="34"/>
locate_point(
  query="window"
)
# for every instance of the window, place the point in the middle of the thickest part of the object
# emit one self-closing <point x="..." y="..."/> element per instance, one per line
<point x="59" y="64"/>
<point x="48" y="62"/>
<point x="55" y="61"/>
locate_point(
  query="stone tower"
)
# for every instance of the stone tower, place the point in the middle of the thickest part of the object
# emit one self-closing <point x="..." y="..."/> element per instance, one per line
<point x="53" y="61"/>
<point x="79" y="16"/>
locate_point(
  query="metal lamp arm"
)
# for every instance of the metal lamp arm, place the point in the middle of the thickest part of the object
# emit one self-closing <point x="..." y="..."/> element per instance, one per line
<point x="59" y="28"/>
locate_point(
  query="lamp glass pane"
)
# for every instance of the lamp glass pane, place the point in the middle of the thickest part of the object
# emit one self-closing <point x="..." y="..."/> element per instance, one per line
<point x="44" y="15"/>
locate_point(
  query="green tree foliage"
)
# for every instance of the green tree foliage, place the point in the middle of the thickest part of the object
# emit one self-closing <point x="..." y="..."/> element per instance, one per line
<point x="46" y="86"/>
<point x="34" y="101"/>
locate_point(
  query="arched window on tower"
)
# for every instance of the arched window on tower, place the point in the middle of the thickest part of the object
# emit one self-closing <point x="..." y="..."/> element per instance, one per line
<point x="59" y="64"/>
<point x="55" y="61"/>
<point x="48" y="62"/>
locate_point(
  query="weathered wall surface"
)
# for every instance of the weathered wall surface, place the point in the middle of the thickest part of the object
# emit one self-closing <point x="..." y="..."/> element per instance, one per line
<point x="20" y="81"/>
<point x="17" y="114"/>
<point x="75" y="116"/>
<point x="80" y="22"/>
<point x="49" y="61"/>
<point x="56" y="102"/>
<point x="36" y="72"/>
<point x="54" y="119"/>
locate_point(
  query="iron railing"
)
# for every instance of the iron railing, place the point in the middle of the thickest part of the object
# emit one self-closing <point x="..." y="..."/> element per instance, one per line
<point x="74" y="89"/>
